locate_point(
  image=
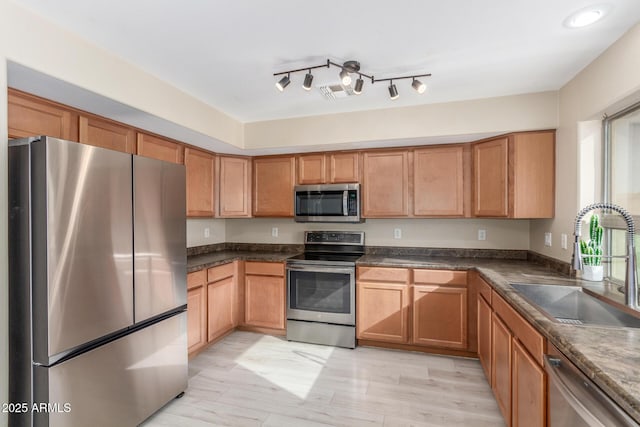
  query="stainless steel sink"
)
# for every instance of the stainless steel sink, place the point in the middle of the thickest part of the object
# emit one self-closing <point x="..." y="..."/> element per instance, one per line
<point x="570" y="305"/>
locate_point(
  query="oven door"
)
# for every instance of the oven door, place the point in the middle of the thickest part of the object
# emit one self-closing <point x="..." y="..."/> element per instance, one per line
<point x="321" y="293"/>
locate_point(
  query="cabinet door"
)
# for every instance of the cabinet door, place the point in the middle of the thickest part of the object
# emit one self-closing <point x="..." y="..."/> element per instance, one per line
<point x="490" y="178"/>
<point x="501" y="339"/>
<point x="160" y="148"/>
<point x="344" y="167"/>
<point x="386" y="184"/>
<point x="382" y="312"/>
<point x="484" y="335"/>
<point x="31" y="116"/>
<point x="200" y="182"/>
<point x="264" y="301"/>
<point x="107" y="134"/>
<point x="533" y="183"/>
<point x="220" y="307"/>
<point x="235" y="187"/>
<point x="312" y="169"/>
<point x="528" y="389"/>
<point x="440" y="316"/>
<point x="438" y="181"/>
<point x="273" y="182"/>
<point x="196" y="318"/>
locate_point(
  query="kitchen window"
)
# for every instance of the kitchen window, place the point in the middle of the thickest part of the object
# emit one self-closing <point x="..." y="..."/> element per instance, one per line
<point x="621" y="183"/>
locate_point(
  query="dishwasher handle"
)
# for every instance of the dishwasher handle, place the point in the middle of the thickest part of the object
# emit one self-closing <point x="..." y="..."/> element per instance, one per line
<point x="582" y="389"/>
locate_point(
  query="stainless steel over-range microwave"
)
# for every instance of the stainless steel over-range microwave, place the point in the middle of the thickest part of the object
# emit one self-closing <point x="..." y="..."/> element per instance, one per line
<point x="327" y="203"/>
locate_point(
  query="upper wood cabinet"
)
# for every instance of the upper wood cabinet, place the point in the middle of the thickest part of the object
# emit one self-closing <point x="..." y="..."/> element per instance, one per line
<point x="105" y="133"/>
<point x="32" y="116"/>
<point x="344" y="167"/>
<point x="312" y="169"/>
<point x="330" y="168"/>
<point x="234" y="182"/>
<point x="514" y="176"/>
<point x="200" y="167"/>
<point x="385" y="184"/>
<point x="439" y="181"/>
<point x="160" y="148"/>
<point x="273" y="182"/>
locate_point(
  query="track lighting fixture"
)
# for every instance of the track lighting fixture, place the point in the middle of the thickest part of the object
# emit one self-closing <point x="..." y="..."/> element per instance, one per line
<point x="418" y="86"/>
<point x="393" y="91"/>
<point x="358" y="88"/>
<point x="346" y="69"/>
<point x="283" y="82"/>
<point x="308" y="79"/>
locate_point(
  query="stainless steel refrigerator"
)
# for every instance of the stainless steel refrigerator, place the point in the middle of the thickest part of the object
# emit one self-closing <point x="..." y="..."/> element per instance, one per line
<point x="97" y="284"/>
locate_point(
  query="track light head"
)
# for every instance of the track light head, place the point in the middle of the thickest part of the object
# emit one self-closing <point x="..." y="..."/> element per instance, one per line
<point x="308" y="79"/>
<point x="358" y="88"/>
<point x="418" y="86"/>
<point x="393" y="91"/>
<point x="345" y="78"/>
<point x="283" y="82"/>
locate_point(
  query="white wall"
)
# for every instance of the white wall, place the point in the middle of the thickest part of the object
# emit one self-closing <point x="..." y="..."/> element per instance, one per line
<point x="608" y="84"/>
<point x="491" y="115"/>
<point x="437" y="233"/>
<point x="196" y="231"/>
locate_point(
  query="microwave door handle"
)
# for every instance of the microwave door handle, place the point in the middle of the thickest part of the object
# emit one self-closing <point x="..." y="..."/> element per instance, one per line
<point x="345" y="204"/>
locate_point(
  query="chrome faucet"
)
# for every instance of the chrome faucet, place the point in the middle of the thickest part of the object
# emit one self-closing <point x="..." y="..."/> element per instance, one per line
<point x="630" y="282"/>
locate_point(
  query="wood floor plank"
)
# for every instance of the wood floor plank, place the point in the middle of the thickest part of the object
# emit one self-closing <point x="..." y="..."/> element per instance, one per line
<point x="249" y="379"/>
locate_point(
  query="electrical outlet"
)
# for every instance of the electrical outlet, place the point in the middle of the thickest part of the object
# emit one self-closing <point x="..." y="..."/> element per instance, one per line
<point x="207" y="233"/>
<point x="563" y="241"/>
<point x="397" y="233"/>
<point x="482" y="234"/>
<point x="547" y="239"/>
<point x="274" y="231"/>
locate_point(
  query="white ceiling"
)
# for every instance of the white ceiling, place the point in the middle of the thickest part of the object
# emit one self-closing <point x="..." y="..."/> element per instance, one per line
<point x="225" y="52"/>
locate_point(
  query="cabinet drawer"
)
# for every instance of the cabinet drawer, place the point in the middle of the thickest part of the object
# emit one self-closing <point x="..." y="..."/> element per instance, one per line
<point x="383" y="274"/>
<point x="197" y="278"/>
<point x="484" y="289"/>
<point x="220" y="272"/>
<point x="264" y="268"/>
<point x="522" y="329"/>
<point x="440" y="277"/>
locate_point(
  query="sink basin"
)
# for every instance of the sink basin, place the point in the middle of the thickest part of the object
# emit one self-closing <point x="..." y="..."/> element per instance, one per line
<point x="570" y="305"/>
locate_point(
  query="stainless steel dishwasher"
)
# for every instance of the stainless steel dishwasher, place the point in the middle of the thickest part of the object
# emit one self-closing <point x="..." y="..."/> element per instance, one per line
<point x="575" y="400"/>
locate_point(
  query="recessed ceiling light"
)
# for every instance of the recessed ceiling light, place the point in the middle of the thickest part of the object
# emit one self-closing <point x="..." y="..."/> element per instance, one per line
<point x="587" y="16"/>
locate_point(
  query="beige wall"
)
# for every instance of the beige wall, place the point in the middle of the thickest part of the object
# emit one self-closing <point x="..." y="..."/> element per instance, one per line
<point x="439" y="233"/>
<point x="607" y="85"/>
<point x="491" y="115"/>
<point x="196" y="231"/>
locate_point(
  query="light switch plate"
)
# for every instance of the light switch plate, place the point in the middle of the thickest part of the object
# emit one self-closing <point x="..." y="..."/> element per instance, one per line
<point x="397" y="233"/>
<point x="563" y="241"/>
<point x="482" y="234"/>
<point x="547" y="239"/>
<point x="274" y="231"/>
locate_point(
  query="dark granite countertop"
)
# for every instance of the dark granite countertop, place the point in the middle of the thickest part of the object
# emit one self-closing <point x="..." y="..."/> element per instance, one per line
<point x="609" y="356"/>
<point x="198" y="262"/>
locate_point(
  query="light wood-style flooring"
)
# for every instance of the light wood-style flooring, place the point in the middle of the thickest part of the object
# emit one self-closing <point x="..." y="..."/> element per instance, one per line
<point x="249" y="379"/>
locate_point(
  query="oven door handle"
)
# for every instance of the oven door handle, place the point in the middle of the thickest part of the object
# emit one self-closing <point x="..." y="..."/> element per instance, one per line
<point x="321" y="268"/>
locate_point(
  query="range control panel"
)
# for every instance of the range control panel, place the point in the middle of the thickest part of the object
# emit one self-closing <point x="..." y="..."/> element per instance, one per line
<point x="334" y="237"/>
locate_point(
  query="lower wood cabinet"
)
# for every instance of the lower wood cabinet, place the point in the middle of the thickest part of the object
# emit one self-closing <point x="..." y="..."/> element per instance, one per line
<point x="382" y="304"/>
<point x="515" y="367"/>
<point x="264" y="293"/>
<point x="221" y="301"/>
<point x="196" y="310"/>
<point x="440" y="308"/>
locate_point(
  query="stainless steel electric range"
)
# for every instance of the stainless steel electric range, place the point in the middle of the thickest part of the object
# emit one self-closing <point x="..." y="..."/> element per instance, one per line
<point x="321" y="288"/>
